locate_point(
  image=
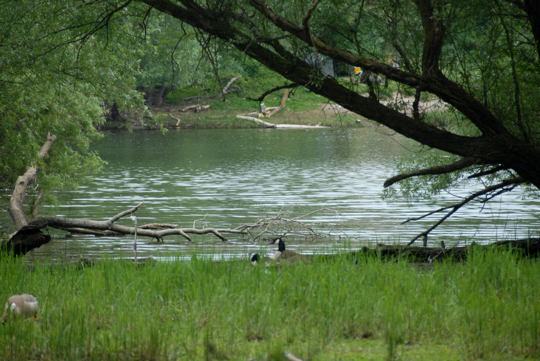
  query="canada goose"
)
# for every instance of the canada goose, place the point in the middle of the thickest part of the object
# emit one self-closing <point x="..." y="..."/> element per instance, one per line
<point x="20" y="305"/>
<point x="283" y="254"/>
<point x="256" y="258"/>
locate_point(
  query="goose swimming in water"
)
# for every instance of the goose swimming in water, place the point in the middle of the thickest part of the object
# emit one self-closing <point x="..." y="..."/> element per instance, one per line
<point x="20" y="305"/>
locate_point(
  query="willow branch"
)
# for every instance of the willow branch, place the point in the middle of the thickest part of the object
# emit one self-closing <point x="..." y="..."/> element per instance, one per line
<point x="489" y="171"/>
<point x="515" y="79"/>
<point x="492" y="191"/>
<point x="432" y="80"/>
<point x="433" y="38"/>
<point x="309" y="13"/>
<point x="442" y="169"/>
<point x="307" y="17"/>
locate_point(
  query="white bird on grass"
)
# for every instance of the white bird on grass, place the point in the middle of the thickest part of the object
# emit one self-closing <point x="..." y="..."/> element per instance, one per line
<point x="24" y="305"/>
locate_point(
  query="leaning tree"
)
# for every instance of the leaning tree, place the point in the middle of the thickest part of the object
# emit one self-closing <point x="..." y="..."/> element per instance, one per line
<point x="478" y="57"/>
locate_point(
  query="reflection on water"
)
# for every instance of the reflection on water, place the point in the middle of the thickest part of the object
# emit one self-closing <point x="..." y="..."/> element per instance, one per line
<point x="224" y="178"/>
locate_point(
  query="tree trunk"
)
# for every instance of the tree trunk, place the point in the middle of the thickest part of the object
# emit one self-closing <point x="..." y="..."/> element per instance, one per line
<point x="26" y="238"/>
<point x="496" y="145"/>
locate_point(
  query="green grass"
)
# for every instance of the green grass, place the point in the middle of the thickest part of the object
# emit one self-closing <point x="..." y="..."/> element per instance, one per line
<point x="303" y="106"/>
<point x="332" y="309"/>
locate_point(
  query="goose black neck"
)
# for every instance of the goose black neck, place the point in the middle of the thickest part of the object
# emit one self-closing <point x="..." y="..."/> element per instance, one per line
<point x="281" y="245"/>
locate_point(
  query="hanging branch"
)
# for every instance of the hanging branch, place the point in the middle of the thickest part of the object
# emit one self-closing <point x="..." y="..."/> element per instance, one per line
<point x="489" y="171"/>
<point x="495" y="190"/>
<point x="515" y="79"/>
<point x="441" y="169"/>
<point x="101" y="23"/>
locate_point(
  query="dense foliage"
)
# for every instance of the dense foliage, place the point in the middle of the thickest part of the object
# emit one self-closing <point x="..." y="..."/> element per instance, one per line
<point x="58" y="72"/>
<point x="66" y="63"/>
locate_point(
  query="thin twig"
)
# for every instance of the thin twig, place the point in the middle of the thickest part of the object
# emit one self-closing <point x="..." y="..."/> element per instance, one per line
<point x="499" y="188"/>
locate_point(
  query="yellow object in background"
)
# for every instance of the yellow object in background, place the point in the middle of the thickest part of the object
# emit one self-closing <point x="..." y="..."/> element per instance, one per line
<point x="357" y="70"/>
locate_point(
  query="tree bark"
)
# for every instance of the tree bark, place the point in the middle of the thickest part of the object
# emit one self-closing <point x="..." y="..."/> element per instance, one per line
<point x="16" y="202"/>
<point x="25" y="238"/>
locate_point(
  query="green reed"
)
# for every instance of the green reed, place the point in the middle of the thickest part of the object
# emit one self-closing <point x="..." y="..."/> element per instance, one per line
<point x="329" y="309"/>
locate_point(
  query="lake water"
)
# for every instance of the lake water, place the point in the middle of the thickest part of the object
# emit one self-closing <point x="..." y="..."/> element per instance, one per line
<point x="225" y="178"/>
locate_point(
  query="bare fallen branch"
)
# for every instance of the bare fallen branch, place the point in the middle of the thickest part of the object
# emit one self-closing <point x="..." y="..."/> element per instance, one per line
<point x="157" y="226"/>
<point x="256" y="230"/>
<point x="228" y="85"/>
<point x="195" y="108"/>
<point x="257" y="120"/>
<point x="178" y="120"/>
<point x="278" y="225"/>
<point x="289" y="356"/>
<point x="279" y="126"/>
<point x="124" y="213"/>
<point x="282" y="105"/>
<point x="89" y="226"/>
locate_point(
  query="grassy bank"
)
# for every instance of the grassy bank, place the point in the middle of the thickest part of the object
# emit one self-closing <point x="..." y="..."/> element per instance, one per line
<point x="302" y="107"/>
<point x="327" y="310"/>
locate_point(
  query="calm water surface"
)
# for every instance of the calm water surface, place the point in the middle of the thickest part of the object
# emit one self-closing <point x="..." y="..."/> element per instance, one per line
<point x="225" y="178"/>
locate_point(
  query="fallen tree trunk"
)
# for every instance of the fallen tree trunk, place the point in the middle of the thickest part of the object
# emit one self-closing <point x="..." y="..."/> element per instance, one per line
<point x="529" y="247"/>
<point x="274" y="110"/>
<point x="195" y="108"/>
<point x="279" y="126"/>
<point x="226" y="87"/>
<point x="109" y="227"/>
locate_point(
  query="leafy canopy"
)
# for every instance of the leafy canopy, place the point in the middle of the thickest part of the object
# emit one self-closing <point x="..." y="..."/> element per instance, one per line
<point x="59" y="68"/>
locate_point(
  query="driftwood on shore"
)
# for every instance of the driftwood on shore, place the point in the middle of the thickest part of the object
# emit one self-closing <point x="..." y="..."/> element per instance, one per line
<point x="278" y="126"/>
<point x="225" y="89"/>
<point x="195" y="108"/>
<point x="268" y="112"/>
